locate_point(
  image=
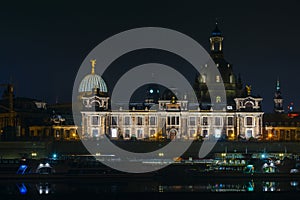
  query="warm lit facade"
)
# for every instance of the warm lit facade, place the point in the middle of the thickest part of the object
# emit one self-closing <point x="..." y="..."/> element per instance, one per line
<point x="172" y="120"/>
<point x="282" y="127"/>
<point x="241" y="117"/>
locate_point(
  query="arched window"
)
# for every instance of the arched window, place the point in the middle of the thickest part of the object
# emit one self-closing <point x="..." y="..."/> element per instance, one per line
<point x="218" y="99"/>
<point x="249" y="105"/>
<point x="218" y="79"/>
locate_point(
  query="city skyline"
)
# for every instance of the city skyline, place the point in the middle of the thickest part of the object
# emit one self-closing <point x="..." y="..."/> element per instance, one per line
<point x="41" y="55"/>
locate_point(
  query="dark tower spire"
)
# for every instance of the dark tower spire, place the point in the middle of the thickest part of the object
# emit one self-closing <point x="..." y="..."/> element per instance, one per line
<point x="278" y="100"/>
<point x="216" y="42"/>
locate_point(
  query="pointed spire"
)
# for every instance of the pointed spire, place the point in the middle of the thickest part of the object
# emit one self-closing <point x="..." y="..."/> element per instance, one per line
<point x="278" y="85"/>
<point x="216" y="31"/>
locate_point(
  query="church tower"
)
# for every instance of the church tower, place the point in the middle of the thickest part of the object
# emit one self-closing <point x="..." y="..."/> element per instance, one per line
<point x="233" y="85"/>
<point x="216" y="43"/>
<point x="278" y="100"/>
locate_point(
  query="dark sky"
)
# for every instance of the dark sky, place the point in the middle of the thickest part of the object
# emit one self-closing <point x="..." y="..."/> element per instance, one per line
<point x="42" y="45"/>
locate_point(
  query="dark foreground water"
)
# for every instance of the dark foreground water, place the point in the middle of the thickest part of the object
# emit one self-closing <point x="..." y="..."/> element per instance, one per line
<point x="150" y="189"/>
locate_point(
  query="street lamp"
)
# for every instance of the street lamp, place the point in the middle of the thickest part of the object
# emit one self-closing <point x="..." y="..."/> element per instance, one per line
<point x="270" y="135"/>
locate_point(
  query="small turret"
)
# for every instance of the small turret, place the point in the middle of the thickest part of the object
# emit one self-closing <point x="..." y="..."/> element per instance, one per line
<point x="278" y="100"/>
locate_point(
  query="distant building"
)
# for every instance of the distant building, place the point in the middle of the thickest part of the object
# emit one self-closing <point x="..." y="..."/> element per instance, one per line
<point x="59" y="125"/>
<point x="282" y="126"/>
<point x="31" y="119"/>
<point x="17" y="114"/>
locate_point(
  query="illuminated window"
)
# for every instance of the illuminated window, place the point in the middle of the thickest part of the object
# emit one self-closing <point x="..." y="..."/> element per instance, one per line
<point x="192" y="121"/>
<point x="249" y="133"/>
<point x="218" y="79"/>
<point x="139" y="133"/>
<point x="127" y="133"/>
<point x="95" y="132"/>
<point x="230" y="134"/>
<point x="152" y="121"/>
<point x="152" y="132"/>
<point x="218" y="99"/>
<point x="192" y="133"/>
<point x="114" y="132"/>
<point x="95" y="120"/>
<point x="127" y="120"/>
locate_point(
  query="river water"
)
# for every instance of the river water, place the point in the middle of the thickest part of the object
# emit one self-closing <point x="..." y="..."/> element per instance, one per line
<point x="137" y="188"/>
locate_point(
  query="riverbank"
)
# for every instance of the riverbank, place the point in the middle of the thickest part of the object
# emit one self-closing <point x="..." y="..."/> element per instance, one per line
<point x="43" y="149"/>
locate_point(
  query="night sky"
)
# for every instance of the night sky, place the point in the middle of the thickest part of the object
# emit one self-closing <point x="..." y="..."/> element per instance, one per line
<point x="42" y="45"/>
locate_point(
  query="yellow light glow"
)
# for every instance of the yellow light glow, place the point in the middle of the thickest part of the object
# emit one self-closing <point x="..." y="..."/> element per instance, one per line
<point x="33" y="154"/>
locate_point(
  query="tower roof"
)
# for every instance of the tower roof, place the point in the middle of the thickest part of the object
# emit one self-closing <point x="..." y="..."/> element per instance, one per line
<point x="277" y="92"/>
<point x="216" y="31"/>
<point x="91" y="81"/>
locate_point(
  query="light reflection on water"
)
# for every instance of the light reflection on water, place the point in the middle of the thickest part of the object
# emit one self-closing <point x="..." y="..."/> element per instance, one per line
<point x="46" y="188"/>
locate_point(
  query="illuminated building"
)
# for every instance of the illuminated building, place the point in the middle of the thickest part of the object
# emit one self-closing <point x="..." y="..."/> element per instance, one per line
<point x="17" y="114"/>
<point x="280" y="126"/>
<point x="232" y="83"/>
<point x="30" y="119"/>
<point x="172" y="119"/>
<point x="58" y="125"/>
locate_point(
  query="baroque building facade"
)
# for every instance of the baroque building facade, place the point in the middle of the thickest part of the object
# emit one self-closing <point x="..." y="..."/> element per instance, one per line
<point x="174" y="118"/>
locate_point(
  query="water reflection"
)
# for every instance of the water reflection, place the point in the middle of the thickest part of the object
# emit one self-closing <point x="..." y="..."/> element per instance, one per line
<point x="47" y="188"/>
<point x="43" y="188"/>
<point x="294" y="183"/>
<point x="270" y="186"/>
<point x="22" y="188"/>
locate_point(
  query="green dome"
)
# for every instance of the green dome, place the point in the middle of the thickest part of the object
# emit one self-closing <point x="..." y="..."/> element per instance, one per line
<point x="91" y="81"/>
